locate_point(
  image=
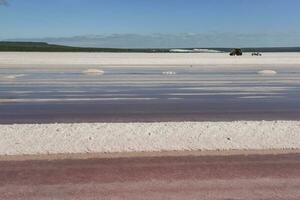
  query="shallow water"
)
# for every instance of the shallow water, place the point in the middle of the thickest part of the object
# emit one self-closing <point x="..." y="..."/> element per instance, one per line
<point x="147" y="94"/>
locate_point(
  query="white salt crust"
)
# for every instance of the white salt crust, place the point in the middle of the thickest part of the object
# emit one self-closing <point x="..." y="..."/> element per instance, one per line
<point x="33" y="139"/>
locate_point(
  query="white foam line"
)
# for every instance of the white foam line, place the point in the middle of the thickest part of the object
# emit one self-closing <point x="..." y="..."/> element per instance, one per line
<point x="139" y="137"/>
<point x="221" y="93"/>
<point x="175" y="98"/>
<point x="96" y="95"/>
<point x="143" y="83"/>
<point x="82" y="95"/>
<point x="260" y="97"/>
<point x="247" y="88"/>
<point x="69" y="99"/>
<point x="45" y="91"/>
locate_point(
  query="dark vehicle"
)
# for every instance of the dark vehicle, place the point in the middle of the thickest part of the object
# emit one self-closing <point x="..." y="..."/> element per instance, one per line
<point x="236" y="52"/>
<point x="256" y="54"/>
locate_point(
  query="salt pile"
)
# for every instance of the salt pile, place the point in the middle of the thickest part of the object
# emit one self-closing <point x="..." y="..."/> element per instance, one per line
<point x="14" y="76"/>
<point x="93" y="72"/>
<point x="169" y="73"/>
<point x="267" y="72"/>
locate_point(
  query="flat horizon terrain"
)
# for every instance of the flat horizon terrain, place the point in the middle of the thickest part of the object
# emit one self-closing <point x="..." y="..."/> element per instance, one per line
<point x="70" y="60"/>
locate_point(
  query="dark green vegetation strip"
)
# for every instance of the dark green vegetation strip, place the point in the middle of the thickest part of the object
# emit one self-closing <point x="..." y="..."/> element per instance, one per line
<point x="45" y="47"/>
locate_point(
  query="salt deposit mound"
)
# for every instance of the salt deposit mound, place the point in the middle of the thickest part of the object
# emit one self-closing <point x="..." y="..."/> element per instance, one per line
<point x="14" y="76"/>
<point x="93" y="72"/>
<point x="169" y="73"/>
<point x="267" y="72"/>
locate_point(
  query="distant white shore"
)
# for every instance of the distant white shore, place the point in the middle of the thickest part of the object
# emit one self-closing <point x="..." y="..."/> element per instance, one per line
<point x="44" y="60"/>
<point x="35" y="139"/>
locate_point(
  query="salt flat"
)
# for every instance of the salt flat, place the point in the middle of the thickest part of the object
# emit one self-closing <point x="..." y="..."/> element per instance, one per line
<point x="33" y="139"/>
<point x="42" y="60"/>
<point x="192" y="101"/>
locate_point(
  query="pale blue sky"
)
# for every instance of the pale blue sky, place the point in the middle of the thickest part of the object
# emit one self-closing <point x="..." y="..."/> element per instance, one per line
<point x="153" y="23"/>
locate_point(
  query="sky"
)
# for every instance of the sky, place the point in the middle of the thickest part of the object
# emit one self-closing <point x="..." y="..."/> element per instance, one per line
<point x="153" y="23"/>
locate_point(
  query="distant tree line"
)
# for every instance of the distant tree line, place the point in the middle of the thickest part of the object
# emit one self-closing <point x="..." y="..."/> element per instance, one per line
<point x="45" y="47"/>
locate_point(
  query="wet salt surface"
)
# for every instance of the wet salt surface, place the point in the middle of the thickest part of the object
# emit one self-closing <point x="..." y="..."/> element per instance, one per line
<point x="147" y="94"/>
